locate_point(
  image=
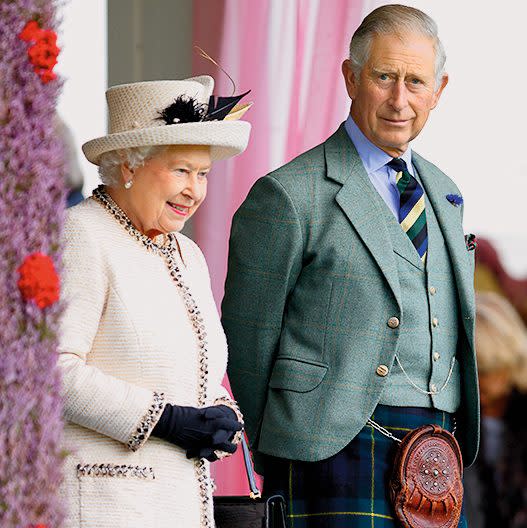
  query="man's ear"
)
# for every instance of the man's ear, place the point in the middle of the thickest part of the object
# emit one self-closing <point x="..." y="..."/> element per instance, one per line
<point x="352" y="82"/>
<point x="439" y="91"/>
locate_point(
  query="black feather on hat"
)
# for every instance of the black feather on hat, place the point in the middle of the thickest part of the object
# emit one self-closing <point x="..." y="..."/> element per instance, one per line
<point x="186" y="109"/>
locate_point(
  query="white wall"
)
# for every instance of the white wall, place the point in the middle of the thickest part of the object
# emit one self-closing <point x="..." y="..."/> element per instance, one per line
<point x="83" y="64"/>
<point x="477" y="133"/>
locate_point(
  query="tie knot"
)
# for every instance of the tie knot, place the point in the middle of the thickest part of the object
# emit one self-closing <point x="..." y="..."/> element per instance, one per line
<point x="397" y="164"/>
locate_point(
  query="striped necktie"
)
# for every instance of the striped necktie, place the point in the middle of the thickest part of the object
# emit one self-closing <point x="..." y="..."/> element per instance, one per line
<point x="412" y="214"/>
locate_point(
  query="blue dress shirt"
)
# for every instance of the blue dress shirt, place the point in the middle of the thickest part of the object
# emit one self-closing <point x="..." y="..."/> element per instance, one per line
<point x="374" y="161"/>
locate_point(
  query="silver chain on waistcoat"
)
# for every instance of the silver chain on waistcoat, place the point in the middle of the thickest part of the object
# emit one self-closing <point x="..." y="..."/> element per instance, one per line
<point x="419" y="389"/>
<point x="387" y="433"/>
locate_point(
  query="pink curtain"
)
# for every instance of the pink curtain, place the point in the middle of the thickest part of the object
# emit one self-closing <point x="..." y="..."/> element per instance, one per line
<point x="289" y="54"/>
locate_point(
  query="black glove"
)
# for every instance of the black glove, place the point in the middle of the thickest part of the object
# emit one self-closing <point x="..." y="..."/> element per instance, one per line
<point x="221" y="441"/>
<point x="191" y="428"/>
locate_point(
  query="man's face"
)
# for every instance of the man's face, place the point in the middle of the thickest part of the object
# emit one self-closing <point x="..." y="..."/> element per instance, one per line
<point x="396" y="90"/>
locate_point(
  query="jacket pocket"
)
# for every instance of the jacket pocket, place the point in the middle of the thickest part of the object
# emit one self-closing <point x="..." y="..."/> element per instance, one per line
<point x="297" y="375"/>
<point x="117" y="496"/>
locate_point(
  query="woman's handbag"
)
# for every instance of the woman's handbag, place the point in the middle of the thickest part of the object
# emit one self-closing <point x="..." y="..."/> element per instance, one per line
<point x="426" y="486"/>
<point x="252" y="511"/>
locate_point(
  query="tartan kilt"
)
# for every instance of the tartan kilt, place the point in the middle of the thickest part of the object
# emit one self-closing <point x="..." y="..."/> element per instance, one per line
<point x="349" y="489"/>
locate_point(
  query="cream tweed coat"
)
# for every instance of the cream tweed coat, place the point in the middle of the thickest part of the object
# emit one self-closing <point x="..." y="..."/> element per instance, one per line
<point x="125" y="337"/>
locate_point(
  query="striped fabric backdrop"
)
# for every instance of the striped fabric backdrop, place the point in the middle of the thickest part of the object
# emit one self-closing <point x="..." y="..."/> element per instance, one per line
<point x="289" y="54"/>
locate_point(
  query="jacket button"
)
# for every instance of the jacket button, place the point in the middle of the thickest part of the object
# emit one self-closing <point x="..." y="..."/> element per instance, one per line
<point x="382" y="370"/>
<point x="393" y="322"/>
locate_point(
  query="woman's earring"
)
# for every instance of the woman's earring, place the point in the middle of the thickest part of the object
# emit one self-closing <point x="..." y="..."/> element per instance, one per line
<point x="128" y="184"/>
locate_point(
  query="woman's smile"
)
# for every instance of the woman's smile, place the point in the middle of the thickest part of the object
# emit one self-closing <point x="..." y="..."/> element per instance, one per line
<point x="181" y="210"/>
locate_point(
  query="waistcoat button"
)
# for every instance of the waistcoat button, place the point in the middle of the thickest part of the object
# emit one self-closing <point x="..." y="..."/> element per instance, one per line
<point x="435" y="321"/>
<point x="393" y="322"/>
<point x="432" y="290"/>
<point x="382" y="370"/>
<point x="436" y="356"/>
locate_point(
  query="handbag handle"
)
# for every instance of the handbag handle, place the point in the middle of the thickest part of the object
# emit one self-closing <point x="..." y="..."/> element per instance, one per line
<point x="255" y="492"/>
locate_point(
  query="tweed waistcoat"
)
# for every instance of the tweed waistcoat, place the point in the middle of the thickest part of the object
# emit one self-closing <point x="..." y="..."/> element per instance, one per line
<point x="429" y="324"/>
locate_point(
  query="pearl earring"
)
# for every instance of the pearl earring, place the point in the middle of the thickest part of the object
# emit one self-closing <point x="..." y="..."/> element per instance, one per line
<point x="128" y="184"/>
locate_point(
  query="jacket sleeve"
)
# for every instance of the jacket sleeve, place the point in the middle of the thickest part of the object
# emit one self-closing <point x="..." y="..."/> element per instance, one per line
<point x="93" y="398"/>
<point x="265" y="259"/>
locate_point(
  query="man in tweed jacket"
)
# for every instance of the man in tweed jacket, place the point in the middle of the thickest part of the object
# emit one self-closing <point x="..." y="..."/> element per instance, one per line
<point x="333" y="313"/>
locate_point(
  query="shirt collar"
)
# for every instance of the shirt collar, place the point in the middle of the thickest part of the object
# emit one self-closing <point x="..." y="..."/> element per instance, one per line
<point x="372" y="157"/>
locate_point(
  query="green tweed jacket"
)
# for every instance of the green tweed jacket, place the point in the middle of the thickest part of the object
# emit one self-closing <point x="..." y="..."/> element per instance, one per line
<point x="312" y="282"/>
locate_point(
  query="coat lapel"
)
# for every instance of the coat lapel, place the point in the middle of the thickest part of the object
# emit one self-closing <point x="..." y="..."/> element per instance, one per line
<point x="449" y="221"/>
<point x="360" y="202"/>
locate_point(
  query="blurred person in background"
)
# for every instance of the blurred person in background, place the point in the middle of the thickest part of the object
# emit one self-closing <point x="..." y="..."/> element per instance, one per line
<point x="73" y="178"/>
<point x="496" y="485"/>
<point x="492" y="275"/>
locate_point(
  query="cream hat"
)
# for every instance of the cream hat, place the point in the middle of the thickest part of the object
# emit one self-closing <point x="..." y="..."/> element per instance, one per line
<point x="135" y="110"/>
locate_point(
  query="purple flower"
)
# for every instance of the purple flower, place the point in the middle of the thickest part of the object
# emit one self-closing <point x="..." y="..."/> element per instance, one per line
<point x="455" y="199"/>
<point x="32" y="195"/>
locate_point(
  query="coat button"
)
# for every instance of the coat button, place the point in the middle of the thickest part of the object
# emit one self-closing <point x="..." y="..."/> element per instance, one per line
<point x="382" y="370"/>
<point x="393" y="322"/>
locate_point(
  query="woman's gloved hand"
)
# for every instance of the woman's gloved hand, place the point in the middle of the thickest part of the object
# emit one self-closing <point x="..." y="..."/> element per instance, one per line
<point x="192" y="428"/>
<point x="221" y="442"/>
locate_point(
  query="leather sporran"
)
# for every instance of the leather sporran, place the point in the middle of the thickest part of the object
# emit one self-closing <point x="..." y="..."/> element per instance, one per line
<point x="426" y="486"/>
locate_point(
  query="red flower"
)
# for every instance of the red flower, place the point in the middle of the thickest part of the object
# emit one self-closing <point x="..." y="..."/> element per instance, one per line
<point x="30" y="32"/>
<point x="42" y="55"/>
<point x="49" y="37"/>
<point x="43" y="52"/>
<point x="39" y="281"/>
<point x="46" y="75"/>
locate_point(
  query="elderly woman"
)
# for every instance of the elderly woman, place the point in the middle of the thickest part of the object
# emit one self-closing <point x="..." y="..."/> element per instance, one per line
<point x="142" y="350"/>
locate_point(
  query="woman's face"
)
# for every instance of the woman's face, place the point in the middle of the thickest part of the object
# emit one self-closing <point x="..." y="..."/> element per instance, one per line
<point x="167" y="189"/>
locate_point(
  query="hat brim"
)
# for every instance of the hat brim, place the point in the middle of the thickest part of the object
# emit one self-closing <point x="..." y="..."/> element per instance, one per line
<point x="226" y="138"/>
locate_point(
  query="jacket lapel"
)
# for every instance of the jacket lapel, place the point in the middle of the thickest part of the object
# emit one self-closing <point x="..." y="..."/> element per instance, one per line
<point x="360" y="202"/>
<point x="450" y="224"/>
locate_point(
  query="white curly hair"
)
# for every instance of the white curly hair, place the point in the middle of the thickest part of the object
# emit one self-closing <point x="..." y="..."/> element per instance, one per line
<point x="110" y="162"/>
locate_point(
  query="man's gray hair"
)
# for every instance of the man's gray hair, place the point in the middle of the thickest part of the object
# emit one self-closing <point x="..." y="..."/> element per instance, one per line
<point x="110" y="162"/>
<point x="394" y="19"/>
